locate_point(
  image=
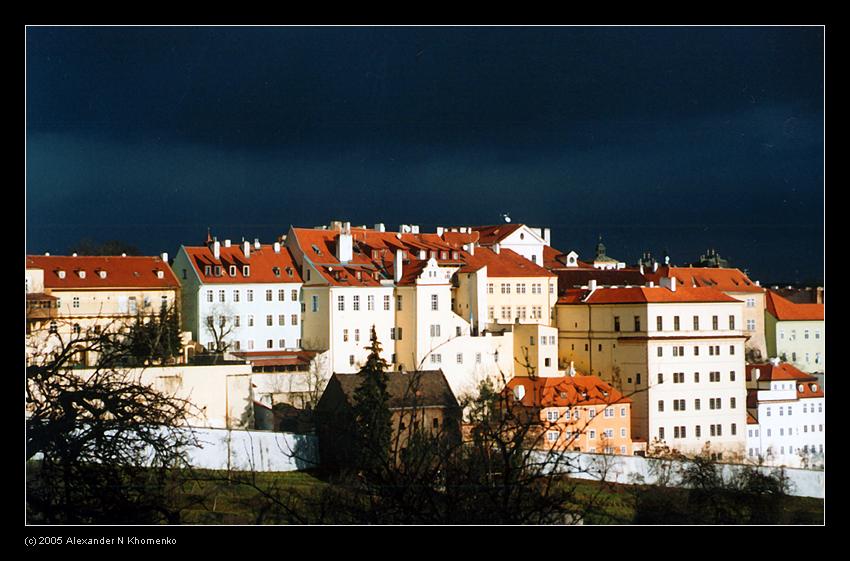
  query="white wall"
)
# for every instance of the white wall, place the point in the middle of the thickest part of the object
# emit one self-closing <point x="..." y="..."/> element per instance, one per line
<point x="242" y="450"/>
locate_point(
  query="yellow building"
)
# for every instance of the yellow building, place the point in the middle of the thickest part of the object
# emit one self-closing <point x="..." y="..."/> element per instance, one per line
<point x="795" y="332"/>
<point x="76" y="295"/>
<point x="677" y="352"/>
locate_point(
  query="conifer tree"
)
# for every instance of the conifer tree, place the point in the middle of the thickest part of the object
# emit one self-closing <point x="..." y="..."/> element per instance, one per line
<point x="372" y="412"/>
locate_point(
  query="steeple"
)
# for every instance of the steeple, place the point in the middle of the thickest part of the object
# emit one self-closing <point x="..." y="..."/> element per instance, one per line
<point x="600" y="248"/>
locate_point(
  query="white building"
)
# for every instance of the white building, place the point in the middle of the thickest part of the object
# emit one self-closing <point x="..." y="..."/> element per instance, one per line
<point x="786" y="416"/>
<point x="244" y="297"/>
<point x="677" y="352"/>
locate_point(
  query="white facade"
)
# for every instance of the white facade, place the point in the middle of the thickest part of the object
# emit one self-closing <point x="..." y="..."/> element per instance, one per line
<point x="527" y="242"/>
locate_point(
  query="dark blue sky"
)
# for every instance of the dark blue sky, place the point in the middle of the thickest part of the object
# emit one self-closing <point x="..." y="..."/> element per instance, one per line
<point x="677" y="138"/>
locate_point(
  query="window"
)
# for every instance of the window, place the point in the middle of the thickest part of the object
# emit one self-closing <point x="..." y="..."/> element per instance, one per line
<point x="246" y="270"/>
<point x="696" y="377"/>
<point x="250" y="320"/>
<point x="269" y="343"/>
<point x="250" y="344"/>
<point x="678" y="405"/>
<point x="268" y="295"/>
<point x="490" y="312"/>
<point x="547" y="362"/>
<point x="591" y="413"/>
<point x="637" y="378"/>
<point x="734" y="429"/>
<point x="281" y="295"/>
<point x="608" y="433"/>
<point x="552" y="435"/>
<point x="616" y="323"/>
<point x="345" y="335"/>
<point x="506" y="288"/>
<point x="678" y="377"/>
<point x="675" y="323"/>
<point x="731" y="349"/>
<point x="356" y="303"/>
<point x="478" y="358"/>
<point x="660" y="378"/>
<point x="357" y="335"/>
<point x="696" y="350"/>
<point x="698" y="431"/>
<point x="269" y="320"/>
<point x="315" y="303"/>
<point x="520" y="312"/>
<point x="489" y="288"/>
<point x="351" y="360"/>
<point x="660" y="351"/>
<point x="732" y="376"/>
<point x="235" y="295"/>
<point x="209" y="295"/>
<point x="520" y="289"/>
<point x="460" y="358"/>
<point x="732" y="405"/>
<point x="661" y="433"/>
<point x="281" y="319"/>
<point x="714" y="322"/>
<point x="435" y="330"/>
<point x="370" y="303"/>
<point x="696" y="404"/>
<point x="386" y="302"/>
<point x="294" y="319"/>
<point x="398" y="302"/>
<point x="731" y="322"/>
<point x="660" y="406"/>
<point x="294" y="295"/>
<point x="207" y="270"/>
<point x="250" y="295"/>
<point x="506" y="312"/>
<point x="340" y="303"/>
<point x="237" y="345"/>
<point x="751" y="302"/>
<point x="609" y="412"/>
<point x="637" y="323"/>
<point x="622" y="411"/>
<point x="436" y="359"/>
<point x="659" y="324"/>
<point x="435" y="302"/>
<point x="591" y="434"/>
<point x="235" y="321"/>
<point x="696" y="323"/>
<point x="282" y="343"/>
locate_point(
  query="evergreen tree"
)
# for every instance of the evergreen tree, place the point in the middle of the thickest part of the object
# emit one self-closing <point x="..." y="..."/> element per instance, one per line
<point x="372" y="412"/>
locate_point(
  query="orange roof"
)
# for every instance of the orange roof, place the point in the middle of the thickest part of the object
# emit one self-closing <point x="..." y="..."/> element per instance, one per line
<point x="459" y="239"/>
<point x="779" y="372"/>
<point x="725" y="280"/>
<point x="550" y="257"/>
<point x="266" y="266"/>
<point x="121" y="272"/>
<point x="494" y="234"/>
<point x="506" y="263"/>
<point x="643" y="294"/>
<point x="785" y="310"/>
<point x="751" y="420"/>
<point x="566" y="391"/>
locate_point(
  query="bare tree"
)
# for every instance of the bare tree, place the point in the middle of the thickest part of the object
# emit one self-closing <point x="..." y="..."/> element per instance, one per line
<point x="102" y="446"/>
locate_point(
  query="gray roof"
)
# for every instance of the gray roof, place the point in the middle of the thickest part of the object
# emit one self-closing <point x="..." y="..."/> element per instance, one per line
<point x="420" y="388"/>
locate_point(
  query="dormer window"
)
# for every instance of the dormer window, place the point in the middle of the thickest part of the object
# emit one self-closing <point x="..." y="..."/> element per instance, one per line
<point x="276" y="271"/>
<point x="61" y="274"/>
<point x="101" y="274"/>
<point x="246" y="270"/>
<point x="160" y="274"/>
<point x="289" y="271"/>
<point x="455" y="255"/>
<point x="375" y="254"/>
<point x="233" y="270"/>
<point x="444" y="255"/>
<point x="207" y="270"/>
<point x="218" y="270"/>
<point x="81" y="274"/>
<point x="316" y="249"/>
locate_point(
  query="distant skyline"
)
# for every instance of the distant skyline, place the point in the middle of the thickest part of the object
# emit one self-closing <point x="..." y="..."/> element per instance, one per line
<point x="676" y="138"/>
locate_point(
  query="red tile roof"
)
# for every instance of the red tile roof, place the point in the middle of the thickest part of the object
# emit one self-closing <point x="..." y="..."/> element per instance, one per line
<point x="128" y="272"/>
<point x="265" y="266"/>
<point x="780" y="372"/>
<point x="642" y="294"/>
<point x="550" y="257"/>
<point x="506" y="263"/>
<point x="459" y="239"/>
<point x="725" y="280"/>
<point x="494" y="234"/>
<point x="566" y="391"/>
<point x="785" y="310"/>
<point x="751" y="420"/>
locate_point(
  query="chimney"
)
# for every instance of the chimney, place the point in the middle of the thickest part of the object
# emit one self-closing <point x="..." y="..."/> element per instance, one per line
<point x="226" y="243"/>
<point x="774" y="361"/>
<point x="758" y="283"/>
<point x="397" y="265"/>
<point x="246" y="248"/>
<point x="216" y="247"/>
<point x="344" y="247"/>
<point x="650" y="284"/>
<point x="75" y="254"/>
<point x="47" y="254"/>
<point x="469" y="248"/>
<point x="277" y="247"/>
<point x="164" y="257"/>
<point x="380" y="227"/>
<point x="668" y="282"/>
<point x="591" y="285"/>
<point x="572" y="370"/>
<point x="641" y="268"/>
<point x="414" y="229"/>
<point x="440" y="231"/>
<point x="546" y="236"/>
<point x="496" y="248"/>
<point x="256" y="243"/>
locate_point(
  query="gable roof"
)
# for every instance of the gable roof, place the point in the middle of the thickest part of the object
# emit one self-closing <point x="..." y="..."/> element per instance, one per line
<point x="265" y="266"/>
<point x="575" y="277"/>
<point x="725" y="280"/>
<point x="420" y="388"/>
<point x="489" y="235"/>
<point x="122" y="272"/>
<point x="566" y="391"/>
<point x="785" y="310"/>
<point x="769" y="372"/>
<point x="506" y="263"/>
<point x="644" y="295"/>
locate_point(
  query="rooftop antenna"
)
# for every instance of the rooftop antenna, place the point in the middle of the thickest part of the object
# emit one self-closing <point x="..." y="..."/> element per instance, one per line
<point x="506" y="217"/>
